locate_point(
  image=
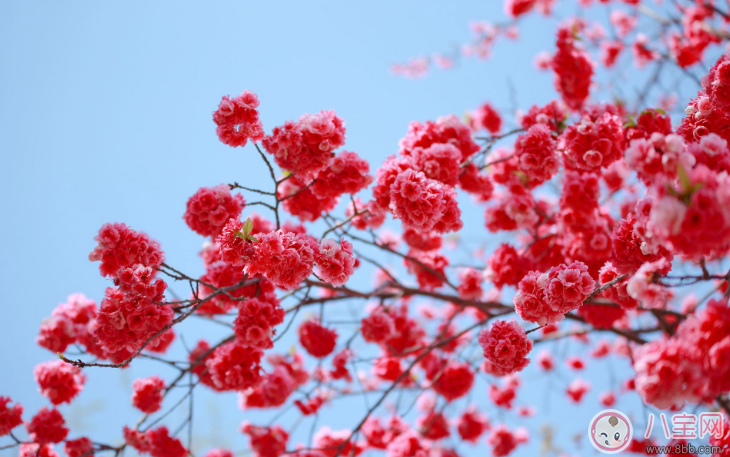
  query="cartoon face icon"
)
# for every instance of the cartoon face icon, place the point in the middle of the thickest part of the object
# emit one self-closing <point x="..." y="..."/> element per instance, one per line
<point x="610" y="431"/>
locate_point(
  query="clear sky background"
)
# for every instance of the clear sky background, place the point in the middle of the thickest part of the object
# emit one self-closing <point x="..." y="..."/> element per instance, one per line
<point x="105" y="115"/>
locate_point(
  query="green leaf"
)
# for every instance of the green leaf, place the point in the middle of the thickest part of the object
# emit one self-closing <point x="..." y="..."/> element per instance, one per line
<point x="576" y="29"/>
<point x="247" y="226"/>
<point x="684" y="180"/>
<point x="239" y="234"/>
<point x="521" y="175"/>
<point x="660" y="111"/>
<point x="695" y="187"/>
<point x="630" y="123"/>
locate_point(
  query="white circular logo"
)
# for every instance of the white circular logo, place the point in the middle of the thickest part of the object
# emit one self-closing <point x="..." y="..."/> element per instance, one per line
<point x="610" y="431"/>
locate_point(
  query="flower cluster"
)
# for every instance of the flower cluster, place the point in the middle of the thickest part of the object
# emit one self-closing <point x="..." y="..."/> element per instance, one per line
<point x="69" y="324"/>
<point x="346" y="173"/>
<point x="486" y="118"/>
<point x="596" y="141"/>
<point x="121" y="247"/>
<point x="156" y="442"/>
<point x="59" y="381"/>
<point x="126" y="322"/>
<point x="424" y="204"/>
<point x="505" y="345"/>
<point x="10" y="416"/>
<point x="257" y="317"/>
<point x="47" y="426"/>
<point x="319" y="341"/>
<point x="210" y="208"/>
<point x="536" y="154"/>
<point x="286" y="258"/>
<point x="601" y="202"/>
<point x="544" y="298"/>
<point x="573" y="68"/>
<point x="233" y="366"/>
<point x="305" y="147"/>
<point x="147" y="394"/>
<point x="237" y="119"/>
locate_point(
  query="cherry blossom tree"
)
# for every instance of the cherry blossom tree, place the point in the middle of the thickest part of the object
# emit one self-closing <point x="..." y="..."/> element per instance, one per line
<point x="611" y="218"/>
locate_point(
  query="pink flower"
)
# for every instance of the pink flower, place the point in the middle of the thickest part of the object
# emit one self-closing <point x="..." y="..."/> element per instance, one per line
<point x="369" y="215"/>
<point x="238" y="120"/>
<point x="553" y="115"/>
<point x="511" y="211"/>
<point x="516" y="8"/>
<point x="163" y="445"/>
<point x="300" y="200"/>
<point x="346" y="173"/>
<point x="530" y="303"/>
<point x="422" y="241"/>
<point x="433" y="426"/>
<point x="506" y="346"/>
<point x="273" y="390"/>
<point x="79" y="447"/>
<point x="408" y="444"/>
<point x="536" y="154"/>
<point x="596" y="141"/>
<point x="378" y="326"/>
<point x="487" y="118"/>
<point x="147" y="394"/>
<point x="120" y="247"/>
<point x="641" y="287"/>
<point x="257" y="317"/>
<point x="332" y="442"/>
<point x="446" y="130"/>
<point x="47" y="426"/>
<point x="577" y="389"/>
<point x="471" y="425"/>
<point x="610" y="49"/>
<point x="125" y="322"/>
<point x="68" y="323"/>
<point x="470" y="284"/>
<point x="477" y="184"/>
<point x="319" y="341"/>
<point x="455" y="379"/>
<point x="623" y="23"/>
<point x="507" y="266"/>
<point x="9" y="415"/>
<point x="424" y="204"/>
<point x="37" y="450"/>
<point x="628" y="253"/>
<point x="233" y="366"/>
<point x="545" y="360"/>
<point x="568" y="286"/>
<point x="573" y="69"/>
<point x="220" y="452"/>
<point x="210" y="208"/>
<point x="429" y="268"/>
<point x="335" y="263"/>
<point x="58" y="381"/>
<point x="284" y="258"/>
<point x="608" y="399"/>
<point x="305" y="147"/>
<point x="439" y="162"/>
<point x="502" y="440"/>
<point x="266" y="441"/>
<point x="666" y="374"/>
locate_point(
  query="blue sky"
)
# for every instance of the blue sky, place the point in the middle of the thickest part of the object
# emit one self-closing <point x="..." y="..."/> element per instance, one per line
<point x="105" y="115"/>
